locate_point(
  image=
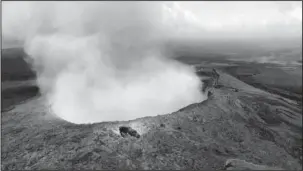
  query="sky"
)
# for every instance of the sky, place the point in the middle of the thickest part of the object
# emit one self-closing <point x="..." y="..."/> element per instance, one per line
<point x="200" y="19"/>
<point x="236" y="17"/>
<point x="215" y="15"/>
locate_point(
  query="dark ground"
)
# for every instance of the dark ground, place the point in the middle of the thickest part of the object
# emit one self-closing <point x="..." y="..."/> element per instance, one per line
<point x="240" y="120"/>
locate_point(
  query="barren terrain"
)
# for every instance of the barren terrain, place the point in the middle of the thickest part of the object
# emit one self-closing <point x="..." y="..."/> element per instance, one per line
<point x="253" y="114"/>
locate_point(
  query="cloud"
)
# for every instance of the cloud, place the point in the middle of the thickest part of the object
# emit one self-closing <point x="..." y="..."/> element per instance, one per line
<point x="296" y="13"/>
<point x="244" y="18"/>
<point x="197" y="19"/>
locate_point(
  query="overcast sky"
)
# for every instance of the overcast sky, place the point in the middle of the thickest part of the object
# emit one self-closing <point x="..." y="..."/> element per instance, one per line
<point x="202" y="19"/>
<point x="281" y="17"/>
<point x="215" y="15"/>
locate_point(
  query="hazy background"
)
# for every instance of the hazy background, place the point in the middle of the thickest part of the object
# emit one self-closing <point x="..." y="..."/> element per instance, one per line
<point x="237" y="28"/>
<point x="201" y="20"/>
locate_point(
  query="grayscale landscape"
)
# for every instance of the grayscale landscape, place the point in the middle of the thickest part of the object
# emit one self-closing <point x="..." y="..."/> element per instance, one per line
<point x="242" y="107"/>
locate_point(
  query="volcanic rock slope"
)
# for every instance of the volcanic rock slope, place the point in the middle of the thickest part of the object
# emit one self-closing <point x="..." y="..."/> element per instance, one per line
<point x="247" y="124"/>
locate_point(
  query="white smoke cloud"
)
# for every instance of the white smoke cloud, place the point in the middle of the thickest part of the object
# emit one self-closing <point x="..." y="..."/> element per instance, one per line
<point x="101" y="61"/>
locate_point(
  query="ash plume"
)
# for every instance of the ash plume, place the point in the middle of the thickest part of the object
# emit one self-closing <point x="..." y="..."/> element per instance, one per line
<point x="101" y="61"/>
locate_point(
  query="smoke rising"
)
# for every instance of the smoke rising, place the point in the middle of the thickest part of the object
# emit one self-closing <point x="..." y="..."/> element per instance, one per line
<point x="101" y="61"/>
